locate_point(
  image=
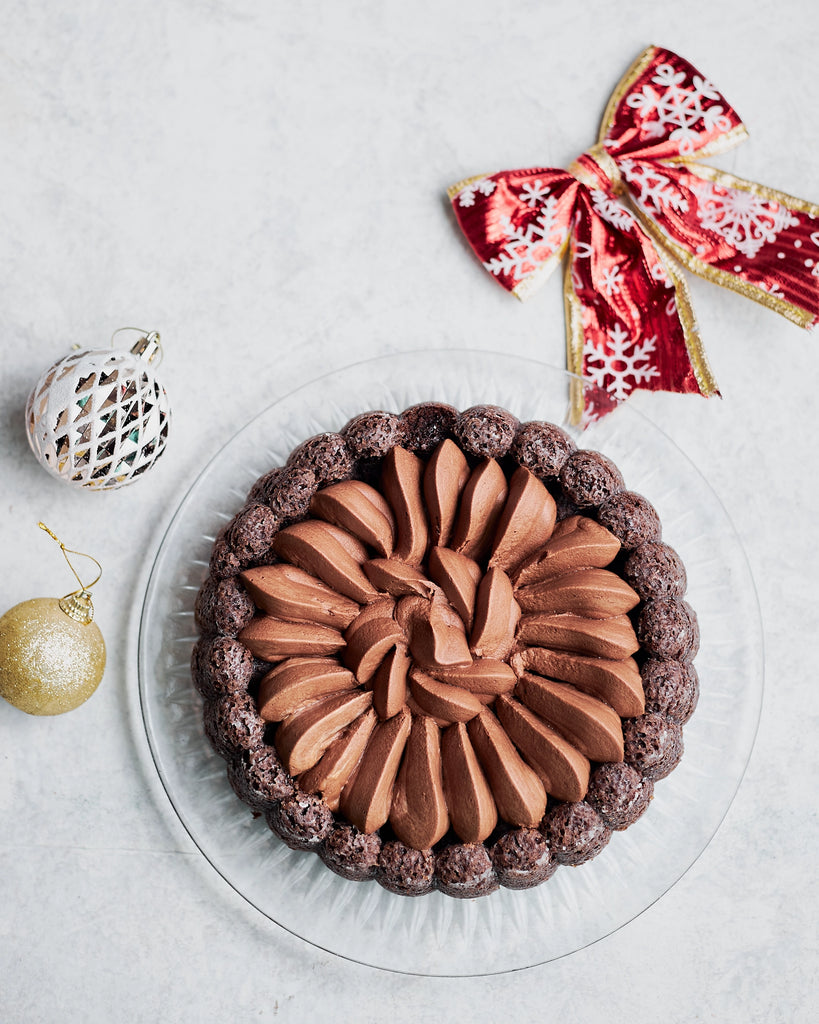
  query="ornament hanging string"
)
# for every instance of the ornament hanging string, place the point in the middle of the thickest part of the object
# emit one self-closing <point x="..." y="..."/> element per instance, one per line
<point x="77" y="603"/>
<point x="149" y="341"/>
<point x="631" y="212"/>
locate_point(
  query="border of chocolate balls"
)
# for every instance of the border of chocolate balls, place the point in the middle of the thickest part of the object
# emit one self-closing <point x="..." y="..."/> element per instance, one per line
<point x="226" y="674"/>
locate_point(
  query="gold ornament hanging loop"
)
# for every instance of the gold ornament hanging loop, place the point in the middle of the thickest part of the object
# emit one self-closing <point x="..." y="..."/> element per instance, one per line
<point x="77" y="605"/>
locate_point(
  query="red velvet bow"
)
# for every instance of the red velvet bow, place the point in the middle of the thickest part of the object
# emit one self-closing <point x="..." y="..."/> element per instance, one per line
<point x="629" y="321"/>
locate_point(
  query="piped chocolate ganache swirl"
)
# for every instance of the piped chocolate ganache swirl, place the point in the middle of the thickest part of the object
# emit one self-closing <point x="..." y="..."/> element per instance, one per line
<point x="446" y="650"/>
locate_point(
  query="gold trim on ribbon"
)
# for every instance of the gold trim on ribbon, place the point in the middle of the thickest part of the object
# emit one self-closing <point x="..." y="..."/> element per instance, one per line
<point x="725" y="141"/>
<point x="791" y="311"/>
<point x="453" y="190"/>
<point x="693" y="342"/>
<point x="575" y="338"/>
<point x="624" y="87"/>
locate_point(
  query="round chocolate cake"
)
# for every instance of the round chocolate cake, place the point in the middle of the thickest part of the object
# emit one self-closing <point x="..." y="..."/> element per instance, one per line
<point x="446" y="650"/>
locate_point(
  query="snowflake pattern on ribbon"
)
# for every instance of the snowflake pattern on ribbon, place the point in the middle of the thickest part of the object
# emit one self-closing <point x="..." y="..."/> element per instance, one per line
<point x="652" y="190"/>
<point x="745" y="221"/>
<point x="611" y="210"/>
<point x="529" y="245"/>
<point x="484" y="186"/>
<point x="624" y="365"/>
<point x="679" y="108"/>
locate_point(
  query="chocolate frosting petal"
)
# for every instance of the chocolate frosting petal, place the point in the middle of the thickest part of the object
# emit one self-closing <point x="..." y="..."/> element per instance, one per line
<point x="526" y="522"/>
<point x="481" y="504"/>
<point x="302" y="738"/>
<point x="458" y="577"/>
<point x="390" y="682"/>
<point x="595" y="593"/>
<point x="562" y="769"/>
<point x="518" y="792"/>
<point x="419" y="814"/>
<point x="401" y="481"/>
<point x="444" y="479"/>
<point x="318" y="548"/>
<point x="587" y="723"/>
<point x="576" y="543"/>
<point x="339" y="761"/>
<point x="603" y="638"/>
<point x="618" y="683"/>
<point x="299" y="681"/>
<point x="288" y="592"/>
<point x="360" y="510"/>
<point x="485" y="677"/>
<point x="471" y="805"/>
<point x="496" y="617"/>
<point x="442" y="701"/>
<point x="366" y="799"/>
<point x="273" y="640"/>
<point x="397" y="578"/>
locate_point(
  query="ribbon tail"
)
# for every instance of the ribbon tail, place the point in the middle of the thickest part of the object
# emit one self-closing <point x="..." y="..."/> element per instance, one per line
<point x="755" y="240"/>
<point x="629" y="321"/>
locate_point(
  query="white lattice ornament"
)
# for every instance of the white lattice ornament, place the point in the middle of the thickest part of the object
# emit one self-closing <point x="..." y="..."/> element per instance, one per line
<point x="99" y="418"/>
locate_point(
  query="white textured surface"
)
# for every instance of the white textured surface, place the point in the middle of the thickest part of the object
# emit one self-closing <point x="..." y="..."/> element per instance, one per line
<point x="264" y="184"/>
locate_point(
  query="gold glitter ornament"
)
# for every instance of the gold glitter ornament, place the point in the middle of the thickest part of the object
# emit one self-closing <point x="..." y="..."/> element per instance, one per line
<point x="52" y="654"/>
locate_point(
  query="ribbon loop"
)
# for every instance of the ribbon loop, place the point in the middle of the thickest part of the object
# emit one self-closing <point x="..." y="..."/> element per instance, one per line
<point x="630" y="209"/>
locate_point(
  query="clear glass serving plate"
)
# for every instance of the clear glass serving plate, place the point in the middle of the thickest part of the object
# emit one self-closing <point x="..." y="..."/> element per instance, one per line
<point x="435" y="934"/>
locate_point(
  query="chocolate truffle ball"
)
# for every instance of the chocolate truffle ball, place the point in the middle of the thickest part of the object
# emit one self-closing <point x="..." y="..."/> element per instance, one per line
<point x="260" y="492"/>
<point x="589" y="478"/>
<point x="653" y="744"/>
<point x="619" y="793"/>
<point x="232" y="607"/>
<point x="223" y="606"/>
<point x="290" y="495"/>
<point x="326" y="455"/>
<point x="631" y="518"/>
<point x="668" y="629"/>
<point x="232" y="724"/>
<point x="301" y="821"/>
<point x="372" y="434"/>
<point x="465" y="870"/>
<point x="486" y="431"/>
<point x="350" y="853"/>
<point x="221" y="666"/>
<point x="259" y="778"/>
<point x="575" y="832"/>
<point x="655" y="570"/>
<point x="542" y="448"/>
<point x="427" y="424"/>
<point x="522" y="859"/>
<point x="251" y="532"/>
<point x="672" y="688"/>
<point x="223" y="561"/>
<point x="405" y="871"/>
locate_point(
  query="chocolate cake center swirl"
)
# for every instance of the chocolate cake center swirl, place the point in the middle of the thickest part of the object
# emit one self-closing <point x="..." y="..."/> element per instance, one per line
<point x="443" y="653"/>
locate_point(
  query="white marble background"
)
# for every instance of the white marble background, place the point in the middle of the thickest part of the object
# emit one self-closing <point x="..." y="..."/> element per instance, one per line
<point x="264" y="184"/>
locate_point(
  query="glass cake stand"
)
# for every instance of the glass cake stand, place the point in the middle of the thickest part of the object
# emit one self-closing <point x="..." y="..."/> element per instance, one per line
<point x="434" y="934"/>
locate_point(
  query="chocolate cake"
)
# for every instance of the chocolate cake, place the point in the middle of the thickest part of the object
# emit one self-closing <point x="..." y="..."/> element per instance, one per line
<point x="445" y="650"/>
